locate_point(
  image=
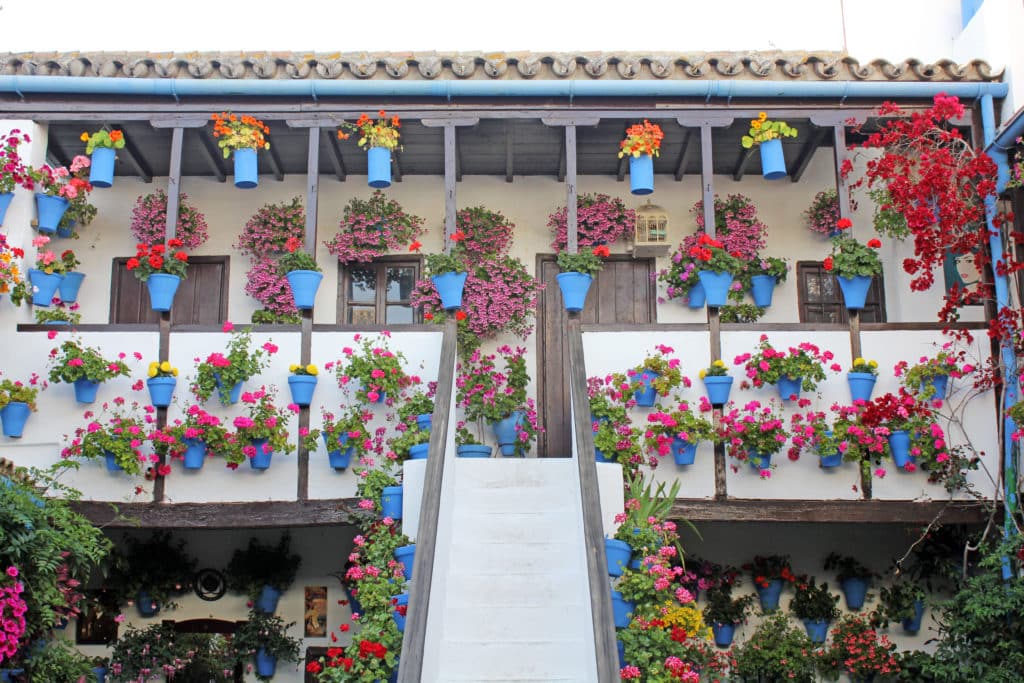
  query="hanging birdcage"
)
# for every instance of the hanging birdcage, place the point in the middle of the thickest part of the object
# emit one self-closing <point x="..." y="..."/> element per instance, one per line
<point x="650" y="234"/>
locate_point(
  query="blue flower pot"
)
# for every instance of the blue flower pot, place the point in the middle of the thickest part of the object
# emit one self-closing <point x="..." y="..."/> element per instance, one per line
<point x="773" y="163"/>
<point x="195" y="454"/>
<point x="724" y="633"/>
<point x="641" y="174"/>
<point x="302" y="387"/>
<point x="101" y="171"/>
<point x="473" y="450"/>
<point x="161" y="390"/>
<point x="648" y="394"/>
<point x="85" y="390"/>
<point x="855" y="591"/>
<point x="762" y="287"/>
<point x="11" y="675"/>
<point x="400" y="600"/>
<point x="831" y="460"/>
<point x="861" y="385"/>
<point x="232" y="395"/>
<point x="423" y="421"/>
<point x="260" y="461"/>
<point x="599" y="455"/>
<point x="696" y="297"/>
<point x="66" y="229"/>
<point x="574" y="288"/>
<point x="146" y="605"/>
<point x="111" y="461"/>
<point x="378" y="167"/>
<point x="339" y="454"/>
<point x="267" y="601"/>
<point x="938" y="387"/>
<point x="5" y="201"/>
<point x="913" y="624"/>
<point x="789" y="387"/>
<point x="760" y="461"/>
<point x="14" y="415"/>
<point x="683" y="451"/>
<point x="449" y="288"/>
<point x="69" y="286"/>
<point x="899" y="444"/>
<point x="618" y="554"/>
<point x="265" y="664"/>
<point x="716" y="287"/>
<point x="817" y="629"/>
<point x="506" y="432"/>
<point x="419" y="451"/>
<point x="621" y="647"/>
<point x="391" y="502"/>
<point x="246" y="169"/>
<point x="855" y="290"/>
<point x="162" y="287"/>
<point x="50" y="210"/>
<point x="44" y="286"/>
<point x="354" y="603"/>
<point x="304" y="284"/>
<point x="718" y="388"/>
<point x="101" y="674"/>
<point x="622" y="610"/>
<point x="406" y="554"/>
<point x="769" y="596"/>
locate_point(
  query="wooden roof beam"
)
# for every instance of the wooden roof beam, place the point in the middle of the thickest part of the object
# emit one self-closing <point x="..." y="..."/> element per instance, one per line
<point x="337" y="161"/>
<point x="275" y="164"/>
<point x="55" y="154"/>
<point x="816" y="139"/>
<point x="741" y="165"/>
<point x="134" y="156"/>
<point x="681" y="163"/>
<point x="212" y="154"/>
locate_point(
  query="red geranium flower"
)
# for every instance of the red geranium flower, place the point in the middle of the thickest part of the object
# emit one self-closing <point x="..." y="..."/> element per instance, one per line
<point x="416" y="245"/>
<point x="827" y="263"/>
<point x="602" y="251"/>
<point x="875" y="243"/>
<point x="844" y="223"/>
<point x="460" y="315"/>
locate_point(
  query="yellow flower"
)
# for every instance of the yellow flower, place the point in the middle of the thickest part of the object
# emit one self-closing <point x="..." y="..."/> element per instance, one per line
<point x="873" y="364"/>
<point x="293" y="367"/>
<point x="762" y="116"/>
<point x="703" y="373"/>
<point x="859" y="361"/>
<point x="152" y="371"/>
<point x="165" y="366"/>
<point x="311" y="369"/>
<point x="719" y="363"/>
<point x="84" y="137"/>
<point x="174" y="371"/>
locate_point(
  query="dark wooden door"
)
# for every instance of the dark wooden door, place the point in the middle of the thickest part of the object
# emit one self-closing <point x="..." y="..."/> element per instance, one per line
<point x="201" y="299"/>
<point x="622" y="293"/>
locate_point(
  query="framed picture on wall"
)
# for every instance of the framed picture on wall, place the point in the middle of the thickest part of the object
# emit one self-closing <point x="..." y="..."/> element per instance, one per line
<point x="316" y="612"/>
<point x="960" y="270"/>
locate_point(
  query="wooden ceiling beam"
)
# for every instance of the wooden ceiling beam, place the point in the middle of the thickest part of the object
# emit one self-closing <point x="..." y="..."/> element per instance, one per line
<point x="337" y="161"/>
<point x="814" y="141"/>
<point x="134" y="156"/>
<point x="741" y="165"/>
<point x="509" y="151"/>
<point x="212" y="154"/>
<point x="275" y="163"/>
<point x="681" y="163"/>
<point x="396" y="165"/>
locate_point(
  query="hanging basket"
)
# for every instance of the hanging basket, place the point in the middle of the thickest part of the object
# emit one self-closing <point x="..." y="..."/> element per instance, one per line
<point x="855" y="290"/>
<point x="304" y="284"/>
<point x="716" y="287"/>
<point x="101" y="170"/>
<point x="44" y="286"/>
<point x="246" y="169"/>
<point x="162" y="288"/>
<point x="69" y="286"/>
<point x="773" y="162"/>
<point x="449" y="287"/>
<point x="574" y="287"/>
<point x="50" y="210"/>
<point x="378" y="167"/>
<point x="641" y="174"/>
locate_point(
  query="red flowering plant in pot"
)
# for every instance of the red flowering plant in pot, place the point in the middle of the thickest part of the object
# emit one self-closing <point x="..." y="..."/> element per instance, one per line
<point x="770" y="574"/>
<point x="657" y="375"/>
<point x="600" y="218"/>
<point x="754" y="433"/>
<point x="859" y="651"/>
<point x="930" y="377"/>
<point x="197" y="426"/>
<point x="854" y="264"/>
<point x="678" y="431"/>
<point x="162" y="268"/>
<point x="799" y="367"/>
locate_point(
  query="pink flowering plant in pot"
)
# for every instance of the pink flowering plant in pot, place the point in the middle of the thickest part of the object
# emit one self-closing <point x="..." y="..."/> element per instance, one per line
<point x="120" y="429"/>
<point x="753" y="433"/>
<point x="683" y="422"/>
<point x="149" y="221"/>
<point x="72" y="361"/>
<point x="221" y="372"/>
<point x="372" y="228"/>
<point x="663" y="363"/>
<point x="823" y="213"/>
<point x="601" y="219"/>
<point x="805" y="362"/>
<point x="921" y="378"/>
<point x="13" y="170"/>
<point x="487" y="393"/>
<point x="615" y="435"/>
<point x="371" y="370"/>
<point x="269" y="229"/>
<point x="197" y="425"/>
<point x="267" y="284"/>
<point x="62" y="181"/>
<point x="263" y="420"/>
<point x="351" y="423"/>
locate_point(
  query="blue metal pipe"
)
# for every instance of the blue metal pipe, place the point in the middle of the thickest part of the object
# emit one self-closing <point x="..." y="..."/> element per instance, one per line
<point x="448" y="89"/>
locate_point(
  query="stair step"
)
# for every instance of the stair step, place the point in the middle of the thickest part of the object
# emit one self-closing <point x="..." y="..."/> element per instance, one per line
<point x="504" y="559"/>
<point x="515" y="623"/>
<point x="505" y="473"/>
<point x="555" y="499"/>
<point x="530" y="660"/>
<point x="511" y="527"/>
<point x="539" y="590"/>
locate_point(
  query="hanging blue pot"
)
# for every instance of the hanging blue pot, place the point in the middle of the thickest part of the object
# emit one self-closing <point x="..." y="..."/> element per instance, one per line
<point x="648" y="394"/>
<point x="760" y="461"/>
<point x="419" y="451"/>
<point x="111" y="461"/>
<point x="406" y="554"/>
<point x="162" y="287"/>
<point x="617" y="554"/>
<point x="50" y="210"/>
<point x="507" y="434"/>
<point x="267" y="601"/>
<point x="161" y="390"/>
<point x="790" y="387"/>
<point x="622" y="610"/>
<point x="773" y="163"/>
<point x="769" y="595"/>
<point x="44" y="286"/>
<point x="724" y="633"/>
<point x="261" y="461"/>
<point x="339" y="454"/>
<point x="354" y="604"/>
<point x="855" y="290"/>
<point x="855" y="589"/>
<point x="266" y="664"/>
<point x="599" y="455"/>
<point x="574" y="288"/>
<point x="899" y="444"/>
<point x="11" y="675"/>
<point x="302" y="387"/>
<point x="831" y="460"/>
<point x="817" y="630"/>
<point x="400" y="600"/>
<point x="5" y="201"/>
<point x="641" y="174"/>
<point x="423" y="421"/>
<point x="449" y="287"/>
<point x="684" y="452"/>
<point x="913" y="624"/>
<point x="391" y="502"/>
<point x="246" y="169"/>
<point x="232" y="395"/>
<point x="378" y="171"/>
<point x="718" y="388"/>
<point x="66" y="229"/>
<point x="762" y="287"/>
<point x="101" y="171"/>
<point x="101" y="674"/>
<point x="696" y="297"/>
<point x="861" y="385"/>
<point x="145" y="604"/>
<point x="473" y="450"/>
<point x="621" y="647"/>
<point x="195" y="454"/>
<point x="304" y="284"/>
<point x="85" y="390"/>
<point x="938" y="386"/>
<point x="716" y="287"/>
<point x="69" y="286"/>
<point x="14" y="415"/>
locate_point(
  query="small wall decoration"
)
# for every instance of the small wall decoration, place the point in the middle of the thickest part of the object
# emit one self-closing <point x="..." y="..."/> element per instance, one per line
<point x="316" y="612"/>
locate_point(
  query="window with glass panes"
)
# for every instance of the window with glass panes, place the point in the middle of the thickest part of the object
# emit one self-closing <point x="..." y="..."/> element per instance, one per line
<point x="378" y="293"/>
<point x="821" y="300"/>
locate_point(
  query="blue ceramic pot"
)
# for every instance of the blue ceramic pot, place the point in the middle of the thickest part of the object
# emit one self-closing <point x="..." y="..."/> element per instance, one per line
<point x="762" y="287"/>
<point x="267" y="601"/>
<point x="14" y="415"/>
<point x="899" y="444"/>
<point x="44" y="286"/>
<point x="773" y="163"/>
<point x="161" y="390"/>
<point x="861" y="385"/>
<point x="574" y="287"/>
<point x="419" y="451"/>
<point x="162" y="288"/>
<point x="817" y="629"/>
<point x="622" y="610"/>
<point x="50" y="210"/>
<point x="378" y="171"/>
<point x="716" y="287"/>
<point x="855" y="590"/>
<point x="85" y="390"/>
<point x="618" y="554"/>
<point x="724" y="633"/>
<point x="789" y="387"/>
<point x="265" y="663"/>
<point x="718" y="388"/>
<point x="913" y="624"/>
<point x="769" y="595"/>
<point x="696" y="297"/>
<point x="401" y="600"/>
<point x="648" y="394"/>
<point x="473" y="450"/>
<point x="69" y="286"/>
<point x="683" y="452"/>
<point x="449" y="287"/>
<point x="423" y="421"/>
<point x="855" y="290"/>
<point x="406" y="554"/>
<point x="302" y="388"/>
<point x="261" y="461"/>
<point x="246" y="169"/>
<point x="304" y="284"/>
<point x="195" y="454"/>
<point x="641" y="174"/>
<point x="506" y="431"/>
<point x="391" y="502"/>
<point x="101" y="170"/>
<point x="5" y="201"/>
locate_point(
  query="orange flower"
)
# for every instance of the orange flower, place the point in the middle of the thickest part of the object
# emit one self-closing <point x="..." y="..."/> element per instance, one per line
<point x="342" y="135"/>
<point x="84" y="137"/>
<point x="116" y="135"/>
<point x="381" y="113"/>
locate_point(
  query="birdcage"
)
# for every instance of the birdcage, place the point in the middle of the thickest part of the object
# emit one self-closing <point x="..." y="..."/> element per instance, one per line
<point x="650" y="235"/>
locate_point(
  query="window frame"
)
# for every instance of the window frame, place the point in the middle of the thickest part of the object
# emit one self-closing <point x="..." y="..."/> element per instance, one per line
<point x="380" y="304"/>
<point x="119" y="262"/>
<point x="877" y="285"/>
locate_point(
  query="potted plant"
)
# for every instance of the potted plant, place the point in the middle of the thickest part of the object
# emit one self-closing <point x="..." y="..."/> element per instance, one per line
<point x="911" y="430"/>
<point x="754" y="433"/>
<point x="775" y="652"/>
<point x="162" y="380"/>
<point x="139" y="653"/>
<point x="150" y="573"/>
<point x="84" y="367"/>
<point x="302" y="382"/>
<point x="198" y="435"/>
<point x="263" y="572"/>
<point x="373" y="227"/>
<point x="823" y="213"/>
<point x="903" y="602"/>
<point x="264" y="639"/>
<point x="60" y="661"/>
<point x="717" y="382"/>
<point x="861" y="378"/>
<point x="13" y="171"/>
<point x="417" y="407"/>
<point x="929" y="378"/>
<point x="100" y="667"/>
<point x="764" y="274"/>
<point x="681" y="279"/>
<point x="226" y="373"/>
<point x="645" y="502"/>
<point x="859" y="651"/>
<point x="17" y="402"/>
<point x="448" y="271"/>
<point x="616" y="439"/>
<point x="242" y="135"/>
<point x="378" y="138"/>
<point x="80" y="211"/>
<point x="769" y="574"/>
<point x="372" y="370"/>
<point x="600" y="219"/>
<point x="55" y="188"/>
<point x="303" y="273"/>
<point x="657" y="375"/>
<point x="72" y="280"/>
<point x="724" y="613"/>
<point x="47" y="275"/>
<point x="853" y="578"/>
<point x="812" y="430"/>
<point x="263" y="429"/>
<point x="815" y="605"/>
<point x="576" y="273"/>
<point x="488" y="232"/>
<point x="267" y="231"/>
<point x="409" y="442"/>
<point x="643" y="140"/>
<point x="149" y="221"/>
<point x="716" y="268"/>
<point x="117" y="434"/>
<point x="161" y="269"/>
<point x="58" y="314"/>
<point x="767" y="135"/>
<point x="102" y="147"/>
<point x="853" y="264"/>
<point x="498" y="397"/>
<point x="12" y="280"/>
<point x="800" y="367"/>
<point x="678" y="431"/>
<point x="344" y="437"/>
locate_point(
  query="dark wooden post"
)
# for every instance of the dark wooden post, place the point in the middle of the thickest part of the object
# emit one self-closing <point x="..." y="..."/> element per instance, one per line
<point x="306" y="342"/>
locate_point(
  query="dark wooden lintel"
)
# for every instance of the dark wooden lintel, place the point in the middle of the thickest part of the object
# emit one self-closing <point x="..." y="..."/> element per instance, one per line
<point x="831" y="511"/>
<point x="134" y="156"/>
<point x="275" y="163"/>
<point x="683" y="150"/>
<point x="741" y="165"/>
<point x="213" y="156"/>
<point x="815" y="140"/>
<point x="248" y="515"/>
<point x="337" y="161"/>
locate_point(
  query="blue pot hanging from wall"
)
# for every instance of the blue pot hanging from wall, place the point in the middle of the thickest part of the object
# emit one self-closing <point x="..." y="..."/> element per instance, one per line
<point x="855" y="590"/>
<point x="406" y="554"/>
<point x="696" y="297"/>
<point x="647" y="394"/>
<point x="718" y="388"/>
<point x="419" y="451"/>
<point x="162" y="288"/>
<point x="267" y="601"/>
<point x="617" y="554"/>
<point x="716" y="287"/>
<point x="817" y="630"/>
<point x="760" y="461"/>
<point x="161" y="389"/>
<point x="50" y="209"/>
<point x="789" y="387"/>
<point x="14" y="415"/>
<point x="861" y="385"/>
<point x="195" y="454"/>
<point x="855" y="290"/>
<point x="101" y="170"/>
<point x="773" y="163"/>
<point x="69" y="286"/>
<point x="769" y="595"/>
<point x="724" y="633"/>
<point x="506" y="431"/>
<point x="304" y="284"/>
<point x="641" y="174"/>
<point x="622" y="610"/>
<point x="378" y="164"/>
<point x="246" y="169"/>
<point x="449" y="287"/>
<point x="391" y="502"/>
<point x="761" y="288"/>
<point x="302" y="388"/>
<point x="574" y="288"/>
<point x="937" y="387"/>
<point x="899" y="444"/>
<point x="339" y="453"/>
<point x="85" y="390"/>
<point x="5" y="201"/>
<point x="44" y="286"/>
<point x="265" y="664"/>
<point x="264" y="454"/>
<point x="683" y="452"/>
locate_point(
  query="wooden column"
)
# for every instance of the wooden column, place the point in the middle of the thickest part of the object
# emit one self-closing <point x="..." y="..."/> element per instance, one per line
<point x="449" y="184"/>
<point x="571" y="220"/>
<point x="306" y="342"/>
